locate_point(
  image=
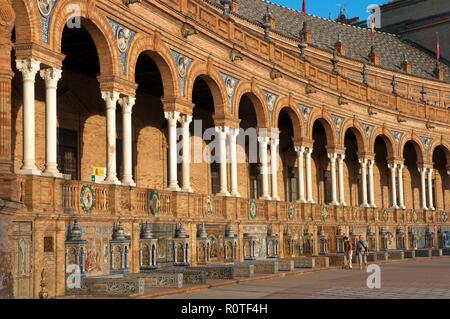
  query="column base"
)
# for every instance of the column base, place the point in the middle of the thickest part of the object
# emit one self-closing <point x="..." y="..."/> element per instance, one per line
<point x="187" y="189"/>
<point x="128" y="183"/>
<point x="112" y="182"/>
<point x="173" y="188"/>
<point x="235" y="194"/>
<point x="364" y="205"/>
<point x="265" y="197"/>
<point x="335" y="203"/>
<point x="301" y="201"/>
<point x="374" y="206"/>
<point x="29" y="171"/>
<point x="277" y="198"/>
<point x="225" y="194"/>
<point x="343" y="204"/>
<point x="310" y="201"/>
<point x="395" y="207"/>
<point x="52" y="173"/>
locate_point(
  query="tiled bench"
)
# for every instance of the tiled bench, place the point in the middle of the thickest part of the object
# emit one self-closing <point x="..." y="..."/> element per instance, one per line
<point x="285" y="265"/>
<point x="264" y="266"/>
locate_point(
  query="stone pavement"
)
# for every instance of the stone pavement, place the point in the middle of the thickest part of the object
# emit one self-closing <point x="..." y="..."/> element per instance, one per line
<point x="422" y="278"/>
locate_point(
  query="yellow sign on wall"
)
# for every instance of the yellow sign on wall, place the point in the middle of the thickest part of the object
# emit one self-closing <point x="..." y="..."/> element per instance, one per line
<point x="99" y="171"/>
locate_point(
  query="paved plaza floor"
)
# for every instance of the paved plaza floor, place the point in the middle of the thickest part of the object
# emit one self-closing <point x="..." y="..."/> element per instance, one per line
<point x="418" y="279"/>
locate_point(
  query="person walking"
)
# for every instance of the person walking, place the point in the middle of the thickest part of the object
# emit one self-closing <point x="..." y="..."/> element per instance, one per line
<point x="348" y="249"/>
<point x="362" y="251"/>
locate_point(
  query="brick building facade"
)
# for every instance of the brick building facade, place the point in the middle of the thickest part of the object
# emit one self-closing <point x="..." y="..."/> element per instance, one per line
<point x="359" y="130"/>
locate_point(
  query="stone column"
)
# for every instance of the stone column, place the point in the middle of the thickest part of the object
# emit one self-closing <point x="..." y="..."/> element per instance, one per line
<point x="401" y="201"/>
<point x="332" y="157"/>
<point x="222" y="136"/>
<point x="127" y="104"/>
<point x="423" y="187"/>
<point x="393" y="167"/>
<point x="371" y="188"/>
<point x="363" y="163"/>
<point x="172" y="119"/>
<point x="263" y="141"/>
<point x="28" y="68"/>
<point x="309" y="197"/>
<point x="51" y="77"/>
<point x="111" y="99"/>
<point x="341" y="180"/>
<point x="233" y="133"/>
<point x="430" y="189"/>
<point x="301" y="177"/>
<point x="185" y="122"/>
<point x="274" y="142"/>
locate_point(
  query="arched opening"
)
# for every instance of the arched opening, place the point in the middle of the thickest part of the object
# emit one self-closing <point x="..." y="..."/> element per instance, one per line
<point x="205" y="171"/>
<point x="288" y="189"/>
<point x="248" y="166"/>
<point x="411" y="176"/>
<point x="381" y="173"/>
<point x="150" y="150"/>
<point x="352" y="168"/>
<point x="320" y="168"/>
<point x="441" y="179"/>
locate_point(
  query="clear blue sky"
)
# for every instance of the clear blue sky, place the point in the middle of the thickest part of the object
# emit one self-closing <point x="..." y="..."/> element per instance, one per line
<point x="323" y="8"/>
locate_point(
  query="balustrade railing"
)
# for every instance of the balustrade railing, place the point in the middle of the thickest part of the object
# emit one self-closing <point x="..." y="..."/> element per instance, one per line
<point x="77" y="197"/>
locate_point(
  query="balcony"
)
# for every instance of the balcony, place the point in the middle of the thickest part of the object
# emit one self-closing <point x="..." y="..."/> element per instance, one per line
<point x="56" y="196"/>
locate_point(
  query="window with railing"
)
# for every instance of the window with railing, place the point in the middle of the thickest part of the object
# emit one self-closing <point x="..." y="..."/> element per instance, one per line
<point x="68" y="152"/>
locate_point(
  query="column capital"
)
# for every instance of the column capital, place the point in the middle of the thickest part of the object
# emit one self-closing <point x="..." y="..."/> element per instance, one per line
<point x="172" y="117"/>
<point x="127" y="103"/>
<point x="28" y="68"/>
<point x="185" y="120"/>
<point x="222" y="130"/>
<point x="341" y="157"/>
<point x="392" y="165"/>
<point x="111" y="98"/>
<point x="308" y="151"/>
<point x="51" y="76"/>
<point x="233" y="132"/>
<point x="263" y="139"/>
<point x="300" y="150"/>
<point x="274" y="141"/>
<point x="362" y="160"/>
<point x="332" y="156"/>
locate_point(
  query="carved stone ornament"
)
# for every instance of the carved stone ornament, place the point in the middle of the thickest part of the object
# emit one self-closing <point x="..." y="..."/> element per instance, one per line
<point x="45" y="7"/>
<point x="123" y="38"/>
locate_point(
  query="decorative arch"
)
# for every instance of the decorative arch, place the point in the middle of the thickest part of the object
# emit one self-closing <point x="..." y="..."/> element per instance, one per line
<point x="160" y="54"/>
<point x="386" y="136"/>
<point x="257" y="99"/>
<point x="415" y="141"/>
<point x="285" y="103"/>
<point x="356" y="128"/>
<point x="445" y="146"/>
<point x="325" y="119"/>
<point x="96" y="25"/>
<point x="215" y="84"/>
<point x="27" y="27"/>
